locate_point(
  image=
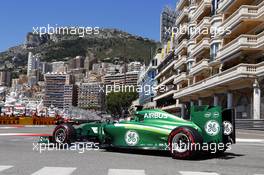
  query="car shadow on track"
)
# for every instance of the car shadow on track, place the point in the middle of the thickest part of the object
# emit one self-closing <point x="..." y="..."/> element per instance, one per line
<point x="222" y="156"/>
<point x="162" y="153"/>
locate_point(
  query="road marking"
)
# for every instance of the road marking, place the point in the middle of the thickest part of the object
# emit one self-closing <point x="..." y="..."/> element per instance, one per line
<point x="126" y="172"/>
<point x="8" y="127"/>
<point x="196" y="173"/>
<point x="55" y="170"/>
<point x="250" y="140"/>
<point x="5" y="167"/>
<point x="24" y="126"/>
<point x="246" y="133"/>
<point x="24" y="134"/>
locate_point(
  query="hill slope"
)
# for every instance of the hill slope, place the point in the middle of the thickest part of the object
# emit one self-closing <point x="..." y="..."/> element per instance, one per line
<point x="109" y="43"/>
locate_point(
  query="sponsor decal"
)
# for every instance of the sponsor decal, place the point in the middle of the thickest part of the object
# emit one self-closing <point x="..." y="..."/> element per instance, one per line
<point x="207" y="115"/>
<point x="212" y="127"/>
<point x="228" y="128"/>
<point x="155" y="115"/>
<point x="216" y="114"/>
<point x="95" y="129"/>
<point x="131" y="138"/>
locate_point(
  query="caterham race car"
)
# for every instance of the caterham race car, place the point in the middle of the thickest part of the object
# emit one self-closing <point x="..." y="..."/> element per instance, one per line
<point x="157" y="130"/>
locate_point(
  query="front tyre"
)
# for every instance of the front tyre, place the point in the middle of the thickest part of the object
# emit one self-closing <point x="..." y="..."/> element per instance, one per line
<point x="182" y="142"/>
<point x="64" y="133"/>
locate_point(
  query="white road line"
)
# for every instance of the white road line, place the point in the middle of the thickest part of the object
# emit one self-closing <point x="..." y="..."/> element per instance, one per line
<point x="55" y="170"/>
<point x="246" y="133"/>
<point x="5" y="167"/>
<point x="126" y="172"/>
<point x="250" y="140"/>
<point x="24" y="134"/>
<point x="7" y="127"/>
<point x="196" y="173"/>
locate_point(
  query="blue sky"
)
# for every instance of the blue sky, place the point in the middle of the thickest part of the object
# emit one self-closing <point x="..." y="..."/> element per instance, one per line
<point x="139" y="17"/>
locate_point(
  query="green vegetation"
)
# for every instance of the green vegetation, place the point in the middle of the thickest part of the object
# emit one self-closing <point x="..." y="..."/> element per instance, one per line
<point x="118" y="102"/>
<point x="131" y="48"/>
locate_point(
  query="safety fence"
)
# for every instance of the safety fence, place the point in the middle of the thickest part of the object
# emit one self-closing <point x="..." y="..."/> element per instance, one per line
<point x="250" y="124"/>
<point x="27" y="121"/>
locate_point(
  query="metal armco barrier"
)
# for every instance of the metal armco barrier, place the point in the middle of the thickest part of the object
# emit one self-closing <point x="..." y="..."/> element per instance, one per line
<point x="44" y="121"/>
<point x="250" y="124"/>
<point x="27" y="121"/>
<point x="9" y="120"/>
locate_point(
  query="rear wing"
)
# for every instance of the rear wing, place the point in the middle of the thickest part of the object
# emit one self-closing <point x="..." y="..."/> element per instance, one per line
<point x="229" y="116"/>
<point x="217" y="125"/>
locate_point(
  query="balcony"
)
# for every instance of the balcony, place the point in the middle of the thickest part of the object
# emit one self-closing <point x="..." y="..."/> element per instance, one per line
<point x="229" y="6"/>
<point x="201" y="9"/>
<point x="201" y="65"/>
<point x="181" y="46"/>
<point x="180" y="61"/>
<point x="166" y="81"/>
<point x="243" y="42"/>
<point x="223" y="4"/>
<point x="170" y="107"/>
<point x="181" y="16"/>
<point x="203" y="44"/>
<point x="182" y="30"/>
<point x="260" y="70"/>
<point x="243" y="13"/>
<point x="181" y="4"/>
<point x="169" y="66"/>
<point x="166" y="94"/>
<point x="228" y="77"/>
<point x="205" y="23"/>
<point x="179" y="78"/>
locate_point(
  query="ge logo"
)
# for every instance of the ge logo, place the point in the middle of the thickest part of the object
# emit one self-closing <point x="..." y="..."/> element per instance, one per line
<point x="228" y="128"/>
<point x="131" y="138"/>
<point x="212" y="127"/>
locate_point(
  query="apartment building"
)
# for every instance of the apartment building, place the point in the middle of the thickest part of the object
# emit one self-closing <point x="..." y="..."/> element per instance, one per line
<point x="33" y="63"/>
<point x="167" y="20"/>
<point x="219" y="60"/>
<point x="91" y="96"/>
<point x="59" y="90"/>
<point x="148" y="84"/>
<point x="128" y="78"/>
<point x="134" y="66"/>
<point x="5" y="78"/>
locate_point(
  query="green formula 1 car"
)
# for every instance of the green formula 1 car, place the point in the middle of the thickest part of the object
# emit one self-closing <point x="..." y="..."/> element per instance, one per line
<point x="158" y="130"/>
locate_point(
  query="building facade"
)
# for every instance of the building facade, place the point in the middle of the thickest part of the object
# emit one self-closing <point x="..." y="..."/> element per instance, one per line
<point x="218" y="60"/>
<point x="59" y="67"/>
<point x="167" y="20"/>
<point x="134" y="66"/>
<point x="59" y="90"/>
<point x="91" y="96"/>
<point x="147" y="82"/>
<point x="33" y="64"/>
<point x="128" y="78"/>
<point x="5" y="78"/>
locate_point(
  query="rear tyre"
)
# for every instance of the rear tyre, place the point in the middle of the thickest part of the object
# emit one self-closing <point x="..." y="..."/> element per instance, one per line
<point x="182" y="142"/>
<point x="64" y="133"/>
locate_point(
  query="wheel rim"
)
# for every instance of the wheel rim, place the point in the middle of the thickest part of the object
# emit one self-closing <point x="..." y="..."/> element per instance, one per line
<point x="60" y="135"/>
<point x="180" y="143"/>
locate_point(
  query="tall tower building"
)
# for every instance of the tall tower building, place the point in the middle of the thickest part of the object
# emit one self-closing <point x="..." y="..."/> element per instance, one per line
<point x="167" y="21"/>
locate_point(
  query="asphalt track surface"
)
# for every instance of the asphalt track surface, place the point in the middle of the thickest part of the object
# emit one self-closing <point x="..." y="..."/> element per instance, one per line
<point x="19" y="156"/>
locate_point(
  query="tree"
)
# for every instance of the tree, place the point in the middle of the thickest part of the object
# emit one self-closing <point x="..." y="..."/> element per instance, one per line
<point x="117" y="102"/>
